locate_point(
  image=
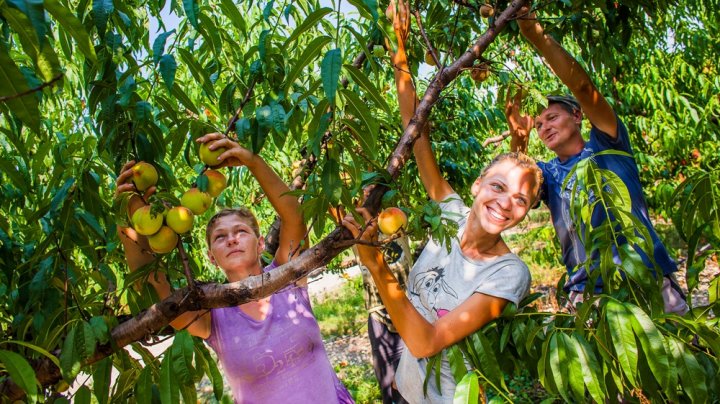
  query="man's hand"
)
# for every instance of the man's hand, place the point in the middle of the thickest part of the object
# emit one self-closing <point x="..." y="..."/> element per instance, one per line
<point x="527" y="21"/>
<point x="234" y="154"/>
<point x="400" y="10"/>
<point x="519" y="125"/>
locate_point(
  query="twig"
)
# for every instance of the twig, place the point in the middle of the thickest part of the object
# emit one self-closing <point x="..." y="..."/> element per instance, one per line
<point x="186" y="264"/>
<point x="465" y="3"/>
<point x="496" y="139"/>
<point x="431" y="49"/>
<point x="452" y="38"/>
<point x="245" y="100"/>
<point x="32" y="90"/>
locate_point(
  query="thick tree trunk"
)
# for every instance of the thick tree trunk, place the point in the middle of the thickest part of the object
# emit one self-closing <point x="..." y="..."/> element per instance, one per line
<point x="211" y="296"/>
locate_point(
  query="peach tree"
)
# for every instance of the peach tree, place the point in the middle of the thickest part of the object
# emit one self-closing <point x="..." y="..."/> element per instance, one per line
<point x="87" y="85"/>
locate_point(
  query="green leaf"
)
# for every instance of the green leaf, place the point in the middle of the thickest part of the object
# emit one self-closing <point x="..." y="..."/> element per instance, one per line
<point x="100" y="329"/>
<point x="72" y="26"/>
<point x="60" y="196"/>
<point x="692" y="375"/>
<point x="144" y="383"/>
<point x="180" y="94"/>
<point x="213" y="372"/>
<point x="159" y="45"/>
<point x="231" y="12"/>
<point x="82" y="396"/>
<point x="11" y="169"/>
<point x="366" y="142"/>
<point x="182" y="355"/>
<point x="197" y="71"/>
<point x="486" y="356"/>
<point x="623" y="339"/>
<point x="70" y="360"/>
<point x="35" y="348"/>
<point x="457" y="363"/>
<point x="101" y="10"/>
<point x="311" y="51"/>
<point x="35" y="12"/>
<point x="101" y="379"/>
<point x="330" y="73"/>
<point x="21" y="373"/>
<point x="143" y="111"/>
<point x="168" y="67"/>
<point x="468" y="390"/>
<point x="573" y="367"/>
<point x="43" y="55"/>
<point x="308" y="23"/>
<point x="13" y="83"/>
<point x="370" y="89"/>
<point x="557" y="359"/>
<point x="358" y="109"/>
<point x="191" y="11"/>
<point x="653" y="345"/>
<point x="169" y="388"/>
<point x="594" y="381"/>
<point x="90" y="221"/>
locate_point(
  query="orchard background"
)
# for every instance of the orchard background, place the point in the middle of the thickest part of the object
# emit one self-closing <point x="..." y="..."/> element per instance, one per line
<point x="309" y="86"/>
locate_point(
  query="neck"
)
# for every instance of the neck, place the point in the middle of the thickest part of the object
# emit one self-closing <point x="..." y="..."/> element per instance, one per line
<point x="476" y="243"/>
<point x="571" y="148"/>
<point x="240" y="274"/>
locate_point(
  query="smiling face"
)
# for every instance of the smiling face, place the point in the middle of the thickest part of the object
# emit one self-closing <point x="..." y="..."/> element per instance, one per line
<point x="503" y="195"/>
<point x="559" y="129"/>
<point x="235" y="247"/>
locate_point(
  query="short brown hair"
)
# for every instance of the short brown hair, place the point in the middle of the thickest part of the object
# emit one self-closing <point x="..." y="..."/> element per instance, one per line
<point x="241" y="212"/>
<point x="522" y="160"/>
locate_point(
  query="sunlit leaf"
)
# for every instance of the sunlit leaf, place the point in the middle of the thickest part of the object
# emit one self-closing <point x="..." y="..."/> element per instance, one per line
<point x="21" y="373"/>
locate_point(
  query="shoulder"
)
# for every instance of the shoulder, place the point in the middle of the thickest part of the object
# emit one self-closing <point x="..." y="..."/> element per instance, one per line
<point x="511" y="269"/>
<point x="601" y="140"/>
<point x="453" y="207"/>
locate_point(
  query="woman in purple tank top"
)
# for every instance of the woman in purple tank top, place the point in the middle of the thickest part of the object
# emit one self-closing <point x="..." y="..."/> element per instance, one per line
<point x="270" y="349"/>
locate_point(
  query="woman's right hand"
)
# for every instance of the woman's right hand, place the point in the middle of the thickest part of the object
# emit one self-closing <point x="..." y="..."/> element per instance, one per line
<point x="519" y="124"/>
<point x="369" y="255"/>
<point x="124" y="183"/>
<point x="400" y="10"/>
<point x="527" y="22"/>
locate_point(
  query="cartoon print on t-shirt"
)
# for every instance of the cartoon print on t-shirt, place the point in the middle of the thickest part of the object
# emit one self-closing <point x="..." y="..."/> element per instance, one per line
<point x="426" y="288"/>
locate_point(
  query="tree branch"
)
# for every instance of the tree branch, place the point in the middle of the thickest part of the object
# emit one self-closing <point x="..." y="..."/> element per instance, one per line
<point x="32" y="90"/>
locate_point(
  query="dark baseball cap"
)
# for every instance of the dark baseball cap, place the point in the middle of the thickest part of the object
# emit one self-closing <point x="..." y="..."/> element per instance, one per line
<point x="564" y="99"/>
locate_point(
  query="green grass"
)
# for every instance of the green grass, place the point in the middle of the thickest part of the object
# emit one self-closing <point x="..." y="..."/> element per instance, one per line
<point x="360" y="382"/>
<point x="342" y="312"/>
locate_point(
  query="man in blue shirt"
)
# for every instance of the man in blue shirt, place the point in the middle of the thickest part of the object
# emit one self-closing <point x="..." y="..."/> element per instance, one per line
<point x="559" y="128"/>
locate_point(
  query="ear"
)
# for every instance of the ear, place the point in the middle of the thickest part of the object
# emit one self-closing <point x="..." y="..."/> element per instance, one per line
<point x="578" y="116"/>
<point x="476" y="186"/>
<point x="261" y="244"/>
<point x="211" y="257"/>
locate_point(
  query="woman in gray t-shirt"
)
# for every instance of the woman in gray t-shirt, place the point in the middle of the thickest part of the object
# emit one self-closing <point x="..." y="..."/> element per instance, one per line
<point x="451" y="294"/>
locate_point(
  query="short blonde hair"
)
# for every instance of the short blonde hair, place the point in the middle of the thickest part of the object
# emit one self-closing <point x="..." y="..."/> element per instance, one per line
<point x="241" y="212"/>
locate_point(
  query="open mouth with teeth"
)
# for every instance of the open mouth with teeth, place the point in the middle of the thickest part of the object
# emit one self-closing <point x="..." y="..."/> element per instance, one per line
<point x="494" y="214"/>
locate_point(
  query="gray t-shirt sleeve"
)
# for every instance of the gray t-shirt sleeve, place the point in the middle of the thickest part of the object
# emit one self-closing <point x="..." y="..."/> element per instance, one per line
<point x="509" y="279"/>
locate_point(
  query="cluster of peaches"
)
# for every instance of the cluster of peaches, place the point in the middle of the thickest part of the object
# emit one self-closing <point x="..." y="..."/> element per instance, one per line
<point x="162" y="224"/>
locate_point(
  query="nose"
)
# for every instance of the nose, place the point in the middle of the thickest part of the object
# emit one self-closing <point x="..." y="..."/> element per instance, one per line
<point x="504" y="202"/>
<point x="233" y="238"/>
<point x="542" y="131"/>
